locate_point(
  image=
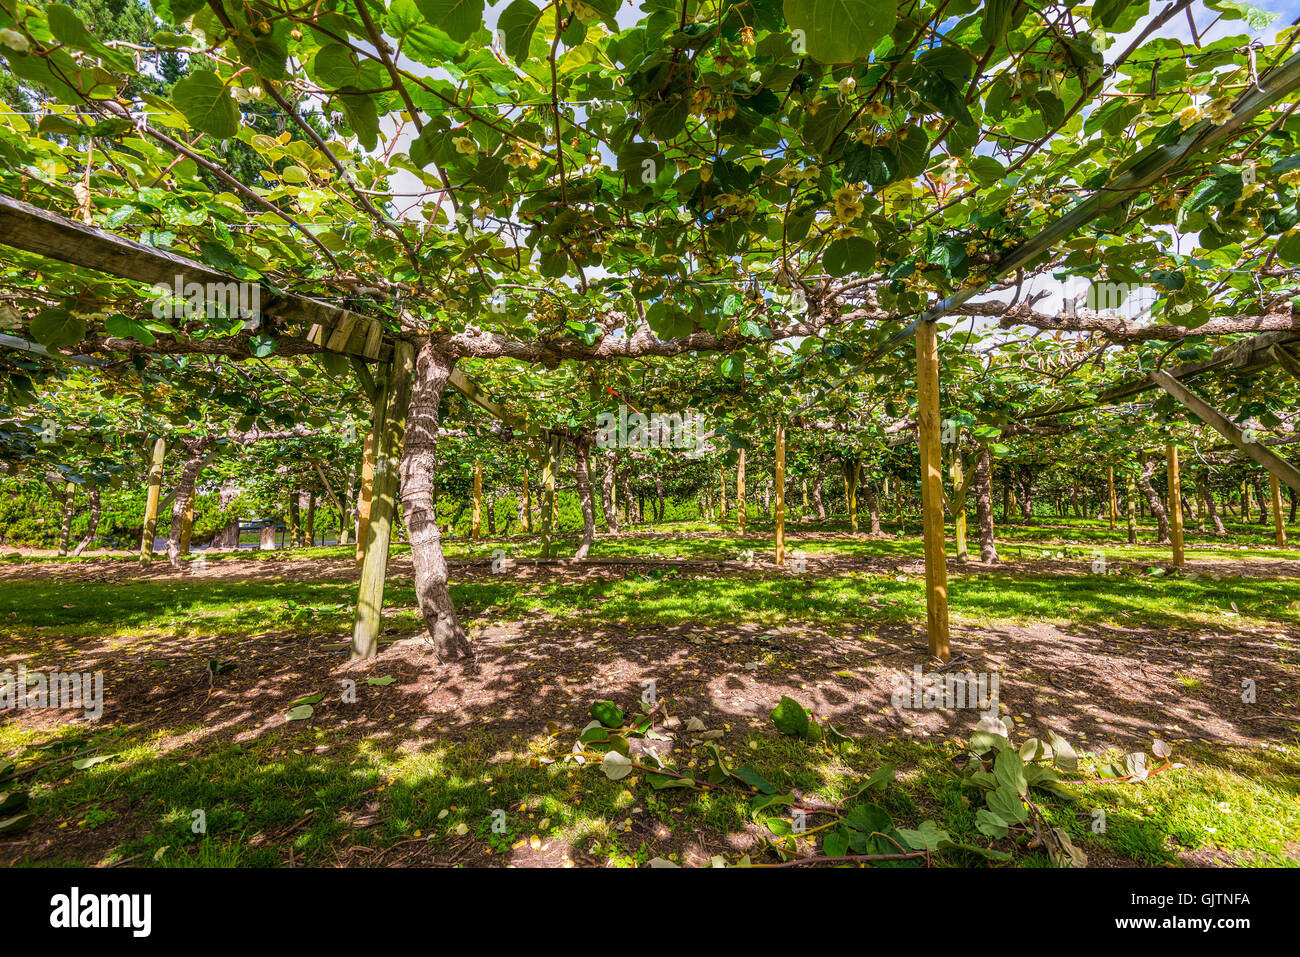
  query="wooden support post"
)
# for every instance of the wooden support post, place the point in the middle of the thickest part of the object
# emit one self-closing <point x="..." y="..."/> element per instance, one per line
<point x="367" y="481"/>
<point x="1272" y="462"/>
<point x="1175" y="504"/>
<point x="476" y="530"/>
<point x="722" y="480"/>
<point x="151" y="501"/>
<point x="936" y="562"/>
<point x="528" y="503"/>
<point x="394" y="391"/>
<point x="187" y="524"/>
<point x="1114" y="503"/>
<point x="740" y="492"/>
<point x="1278" y="526"/>
<point x="779" y="511"/>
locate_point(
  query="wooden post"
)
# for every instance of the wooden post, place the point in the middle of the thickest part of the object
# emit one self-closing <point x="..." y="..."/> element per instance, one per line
<point x="1175" y="504"/>
<point x="367" y="483"/>
<point x="779" y="511"/>
<point x="1114" y="503"/>
<point x="393" y="399"/>
<point x="475" y="529"/>
<point x="1276" y="487"/>
<point x="936" y="567"/>
<point x="740" y="492"/>
<point x="528" y="503"/>
<point x="722" y="480"/>
<point x="187" y="524"/>
<point x="151" y="501"/>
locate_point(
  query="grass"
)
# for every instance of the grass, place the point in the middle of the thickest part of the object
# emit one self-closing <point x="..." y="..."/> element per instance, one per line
<point x="413" y="792"/>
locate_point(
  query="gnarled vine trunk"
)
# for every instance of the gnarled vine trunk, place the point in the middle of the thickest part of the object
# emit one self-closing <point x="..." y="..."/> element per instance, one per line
<point x="93" y="526"/>
<point x="1211" y="507"/>
<point x="582" y="476"/>
<point x="194" y="462"/>
<point x="607" y="503"/>
<point x="1153" y="501"/>
<point x="984" y="504"/>
<point x="817" y="496"/>
<point x="419" y="459"/>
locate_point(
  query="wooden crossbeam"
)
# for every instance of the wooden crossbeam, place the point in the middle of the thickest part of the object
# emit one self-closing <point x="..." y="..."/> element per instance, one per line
<point x="1244" y="356"/>
<point x="1270" y="460"/>
<point x="45" y="233"/>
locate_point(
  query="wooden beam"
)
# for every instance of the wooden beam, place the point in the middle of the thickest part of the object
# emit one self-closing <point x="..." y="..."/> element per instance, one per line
<point x="1270" y="460"/>
<point x="1114" y="505"/>
<point x="390" y="431"/>
<point x="740" y="493"/>
<point x="1285" y="359"/>
<point x="1243" y="356"/>
<point x="936" y="560"/>
<point x="1175" y="504"/>
<point x="151" y="501"/>
<point x="778" y="511"/>
<point x="45" y="233"/>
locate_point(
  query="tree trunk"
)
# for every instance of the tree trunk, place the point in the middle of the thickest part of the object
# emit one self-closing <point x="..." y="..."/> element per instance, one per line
<point x="309" y="529"/>
<point x="65" y="528"/>
<point x="873" y="509"/>
<point x="189" y="477"/>
<point x="1211" y="510"/>
<point x="817" y="496"/>
<point x="984" y="505"/>
<point x="625" y="480"/>
<point x="582" y="475"/>
<point x="419" y="461"/>
<point x="1153" y="502"/>
<point x="93" y="526"/>
<point x="1131" y="499"/>
<point x="606" y="489"/>
<point x="295" y="525"/>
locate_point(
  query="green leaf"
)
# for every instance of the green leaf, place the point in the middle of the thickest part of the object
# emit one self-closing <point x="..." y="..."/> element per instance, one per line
<point x="607" y="713"/>
<point x="123" y="327"/>
<point x="987" y="170"/>
<point x="82" y="763"/>
<point x="458" y="18"/>
<point x="835" y="844"/>
<point x="847" y="256"/>
<point x="841" y="31"/>
<point x="927" y="837"/>
<point x="517" y="24"/>
<point x="790" y="717"/>
<point x="207" y="104"/>
<point x="381" y="682"/>
<point x="1063" y="754"/>
<point x="1007" y="805"/>
<point x="56" y="327"/>
<point x="300" y="713"/>
<point x="1009" y="770"/>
